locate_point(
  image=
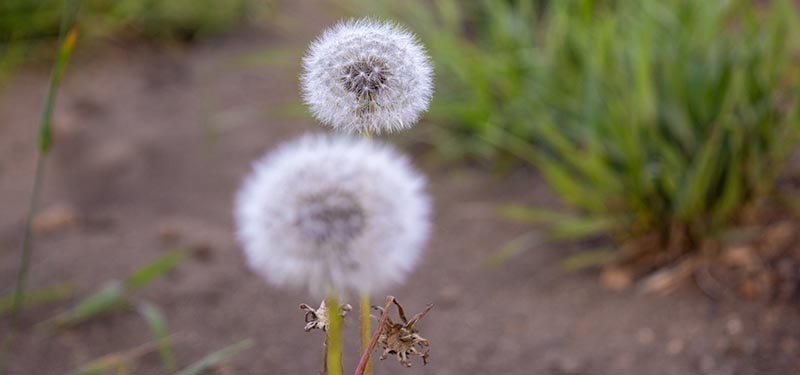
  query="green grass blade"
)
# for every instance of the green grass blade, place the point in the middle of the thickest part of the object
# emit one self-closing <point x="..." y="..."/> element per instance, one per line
<point x="588" y="258"/>
<point x="584" y="227"/>
<point x="45" y="133"/>
<point x="38" y="297"/>
<point x="115" y="295"/>
<point x="98" y="368"/>
<point x="514" y="247"/>
<point x="149" y="272"/>
<point x="111" y="297"/>
<point x="562" y="225"/>
<point x="158" y="328"/>
<point x="533" y="215"/>
<point x="215" y="358"/>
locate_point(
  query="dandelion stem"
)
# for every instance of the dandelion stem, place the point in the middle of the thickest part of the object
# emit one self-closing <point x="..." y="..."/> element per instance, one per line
<point x="365" y="329"/>
<point x="333" y="355"/>
<point x="362" y="364"/>
<point x="365" y="306"/>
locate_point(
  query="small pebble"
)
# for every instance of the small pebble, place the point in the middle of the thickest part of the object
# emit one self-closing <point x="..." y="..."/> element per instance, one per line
<point x="645" y="336"/>
<point x="789" y="345"/>
<point x="202" y="250"/>
<point x="777" y="238"/>
<point x="740" y="256"/>
<point x="449" y="294"/>
<point x="64" y="127"/>
<point x="168" y="233"/>
<point x="769" y="319"/>
<point x="707" y="363"/>
<point x="565" y="365"/>
<point x="749" y="288"/>
<point x="616" y="279"/>
<point x="54" y="219"/>
<point x="734" y="326"/>
<point x="624" y="361"/>
<point x="675" y="347"/>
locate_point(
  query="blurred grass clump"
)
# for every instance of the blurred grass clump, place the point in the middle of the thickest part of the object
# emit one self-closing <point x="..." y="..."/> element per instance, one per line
<point x="658" y="119"/>
<point x="30" y="28"/>
<point x="33" y="20"/>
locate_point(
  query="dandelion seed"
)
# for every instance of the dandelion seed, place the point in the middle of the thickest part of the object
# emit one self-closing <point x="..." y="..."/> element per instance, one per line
<point x="334" y="215"/>
<point x="365" y="75"/>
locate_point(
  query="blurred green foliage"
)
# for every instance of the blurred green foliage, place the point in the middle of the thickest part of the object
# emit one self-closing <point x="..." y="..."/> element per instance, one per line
<point x="182" y="19"/>
<point x="116" y="295"/>
<point x="29" y="28"/>
<point x="665" y="117"/>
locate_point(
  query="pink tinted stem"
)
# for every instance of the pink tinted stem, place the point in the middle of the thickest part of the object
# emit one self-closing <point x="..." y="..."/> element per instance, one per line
<point x="362" y="364"/>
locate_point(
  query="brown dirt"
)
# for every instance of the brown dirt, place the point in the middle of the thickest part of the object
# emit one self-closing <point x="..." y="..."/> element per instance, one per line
<point x="152" y="144"/>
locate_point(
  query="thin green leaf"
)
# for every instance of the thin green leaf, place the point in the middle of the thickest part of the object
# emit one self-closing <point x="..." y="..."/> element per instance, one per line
<point x="158" y="328"/>
<point x="99" y="368"/>
<point x="37" y="297"/>
<point x="588" y="258"/>
<point x="149" y="272"/>
<point x="514" y="247"/>
<point x="216" y="358"/>
<point x="110" y="297"/>
<point x="64" y="53"/>
<point x="583" y="227"/>
<point x="562" y="225"/>
<point x="698" y="181"/>
<point x="533" y="215"/>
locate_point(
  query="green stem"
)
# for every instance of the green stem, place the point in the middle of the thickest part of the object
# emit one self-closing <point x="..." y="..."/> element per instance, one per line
<point x="365" y="329"/>
<point x="25" y="257"/>
<point x="25" y="261"/>
<point x="333" y="356"/>
<point x="365" y="306"/>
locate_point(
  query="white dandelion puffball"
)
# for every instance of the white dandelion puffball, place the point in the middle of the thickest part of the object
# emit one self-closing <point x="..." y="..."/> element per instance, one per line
<point x="366" y="75"/>
<point x="334" y="215"/>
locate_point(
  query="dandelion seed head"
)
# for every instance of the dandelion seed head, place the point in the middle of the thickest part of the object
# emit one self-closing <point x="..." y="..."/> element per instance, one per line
<point x="367" y="75"/>
<point x="333" y="214"/>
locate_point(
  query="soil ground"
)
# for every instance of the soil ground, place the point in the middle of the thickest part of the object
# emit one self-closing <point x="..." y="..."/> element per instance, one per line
<point x="153" y="140"/>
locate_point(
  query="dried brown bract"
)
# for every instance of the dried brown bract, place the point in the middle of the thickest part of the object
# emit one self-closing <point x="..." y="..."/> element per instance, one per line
<point x="403" y="339"/>
<point x="318" y="319"/>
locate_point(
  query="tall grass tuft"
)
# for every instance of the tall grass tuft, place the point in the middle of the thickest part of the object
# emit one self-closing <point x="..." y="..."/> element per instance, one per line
<point x="656" y="119"/>
<point x="29" y="28"/>
<point x="39" y="19"/>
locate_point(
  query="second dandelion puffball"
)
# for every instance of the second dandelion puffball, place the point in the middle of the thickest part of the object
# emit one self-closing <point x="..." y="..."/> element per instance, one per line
<point x="333" y="215"/>
<point x="367" y="76"/>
